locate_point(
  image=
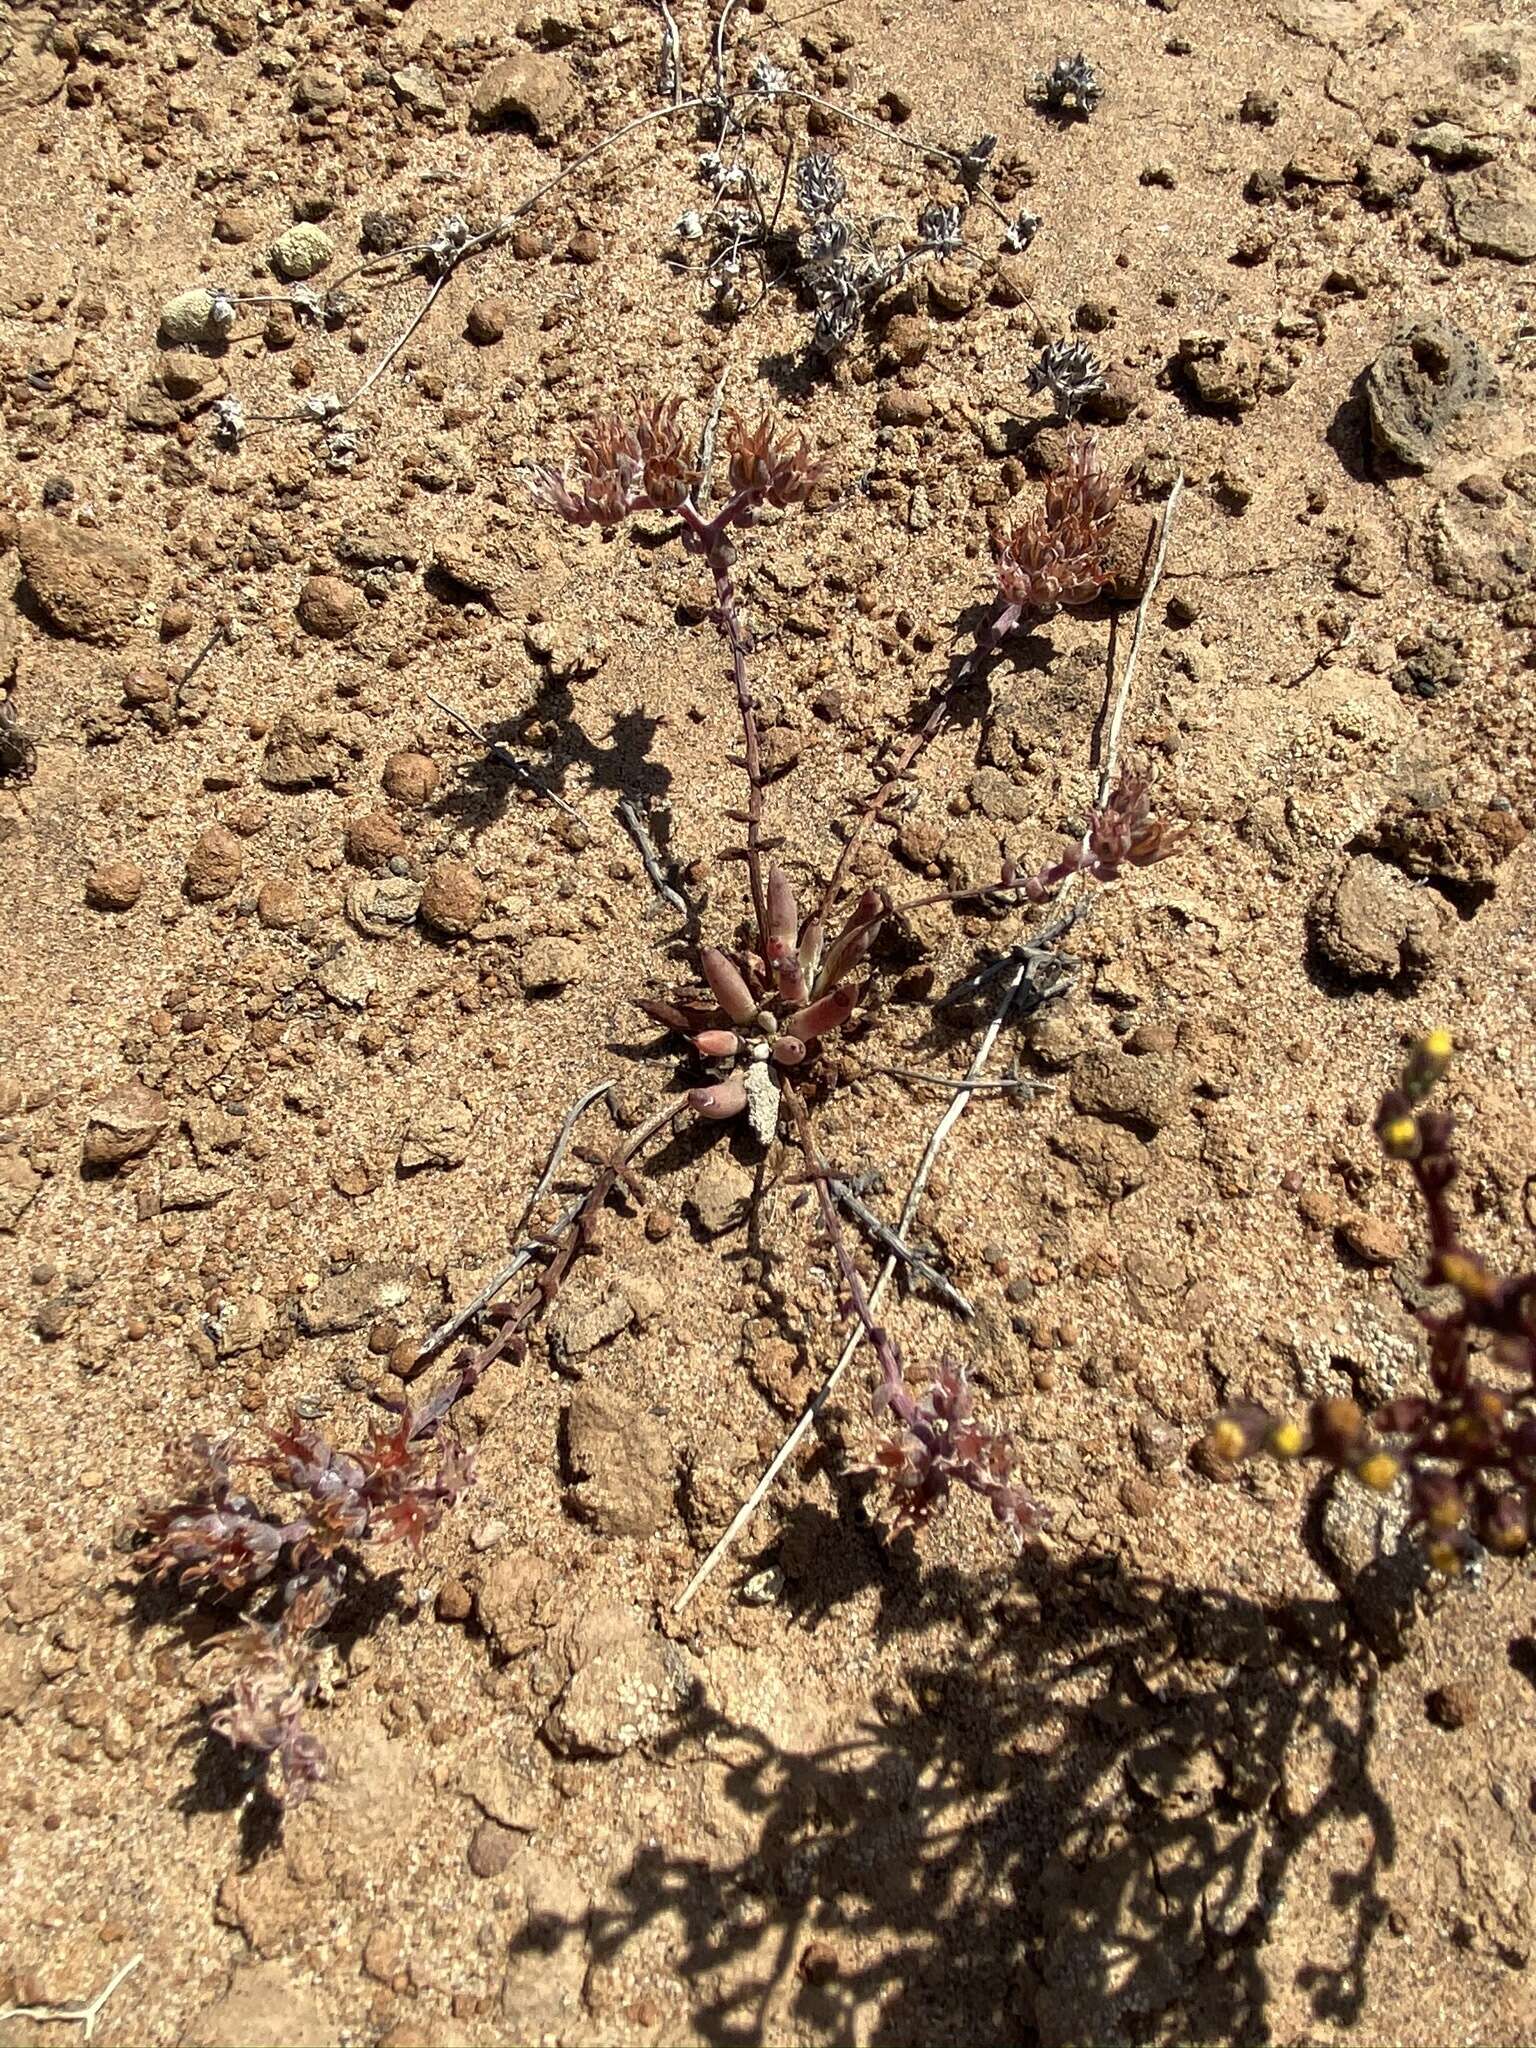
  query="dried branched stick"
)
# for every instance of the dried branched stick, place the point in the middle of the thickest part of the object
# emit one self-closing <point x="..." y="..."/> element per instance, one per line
<point x="829" y="1385"/>
<point x="523" y="1254"/>
<point x="891" y="1240"/>
<point x="84" y="2015"/>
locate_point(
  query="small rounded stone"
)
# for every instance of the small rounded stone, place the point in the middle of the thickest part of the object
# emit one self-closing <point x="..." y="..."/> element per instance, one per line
<point x="279" y="906"/>
<point x="453" y="901"/>
<point x="411" y="779"/>
<point x="374" y="839"/>
<point x="330" y="608"/>
<point x="213" y="865"/>
<point x="115" y="885"/>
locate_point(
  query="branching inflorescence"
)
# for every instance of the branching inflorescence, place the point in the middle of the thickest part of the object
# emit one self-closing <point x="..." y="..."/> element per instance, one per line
<point x="217" y="1538"/>
<point x="1467" y="1445"/>
<point x="764" y="1011"/>
<point x="760" y="1019"/>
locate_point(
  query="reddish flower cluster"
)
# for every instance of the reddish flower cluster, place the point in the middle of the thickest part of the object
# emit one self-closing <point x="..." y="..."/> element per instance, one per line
<point x="635" y="461"/>
<point x="1123" y="832"/>
<point x="215" y="1537"/>
<point x="1467" y="1445"/>
<point x="625" y="462"/>
<point x="1057" y="555"/>
<point x="936" y="1442"/>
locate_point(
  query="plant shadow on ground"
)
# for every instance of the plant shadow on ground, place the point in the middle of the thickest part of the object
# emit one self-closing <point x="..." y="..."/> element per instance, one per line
<point x="1075" y="1831"/>
<point x="223" y="1779"/>
<point x="482" y="790"/>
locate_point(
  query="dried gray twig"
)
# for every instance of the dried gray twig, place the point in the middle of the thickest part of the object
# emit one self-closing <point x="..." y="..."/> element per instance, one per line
<point x="896" y="1244"/>
<point x="435" y="1339"/>
<point x="85" y="2015"/>
<point x="650" y="859"/>
<point x="507" y="759"/>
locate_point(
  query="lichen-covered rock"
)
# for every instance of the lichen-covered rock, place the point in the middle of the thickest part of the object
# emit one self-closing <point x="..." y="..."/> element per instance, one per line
<point x="302" y="250"/>
<point x="1419" y="386"/>
<point x="198" y="315"/>
<point x="1371" y="924"/>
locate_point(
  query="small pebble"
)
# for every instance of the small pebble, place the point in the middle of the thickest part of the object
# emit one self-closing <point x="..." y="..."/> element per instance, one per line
<point x="115" y="885"/>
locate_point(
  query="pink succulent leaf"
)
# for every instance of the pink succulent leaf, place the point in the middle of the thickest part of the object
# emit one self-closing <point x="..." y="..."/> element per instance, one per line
<point x="730" y="990"/>
<point x="717" y="1045"/>
<point x="853" y="943"/>
<point x="724" y="1099"/>
<point x="787" y="1051"/>
<point x="783" y="913"/>
<point x="827" y="1013"/>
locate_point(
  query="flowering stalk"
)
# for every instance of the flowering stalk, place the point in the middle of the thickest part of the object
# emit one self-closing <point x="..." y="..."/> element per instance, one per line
<point x="1125" y="831"/>
<point x="637" y="463"/>
<point x="217" y="1537"/>
<point x="933" y="1439"/>
<point x="1467" y="1446"/>
<point x="1058" y="555"/>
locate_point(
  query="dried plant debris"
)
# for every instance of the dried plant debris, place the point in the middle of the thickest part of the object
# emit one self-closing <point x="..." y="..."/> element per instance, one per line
<point x="1070" y="372"/>
<point x="1071" y="86"/>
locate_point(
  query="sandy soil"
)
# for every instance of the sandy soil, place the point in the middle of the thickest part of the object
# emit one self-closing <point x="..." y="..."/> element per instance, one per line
<point x="1208" y="1768"/>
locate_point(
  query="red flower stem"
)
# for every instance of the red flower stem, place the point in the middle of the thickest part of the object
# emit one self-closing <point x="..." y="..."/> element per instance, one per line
<point x="711" y="539"/>
<point x="901" y="1403"/>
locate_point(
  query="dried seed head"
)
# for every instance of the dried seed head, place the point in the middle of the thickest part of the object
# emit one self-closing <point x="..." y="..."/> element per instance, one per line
<point x="1071" y="373"/>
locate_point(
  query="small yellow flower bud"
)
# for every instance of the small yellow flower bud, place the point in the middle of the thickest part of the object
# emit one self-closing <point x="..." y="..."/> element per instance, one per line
<point x="1437" y="1047"/>
<point x="1461" y="1271"/>
<point x="1228" y="1441"/>
<point x="1400" y="1137"/>
<point x="1286" y="1440"/>
<point x="1446" y="1559"/>
<point x="1379" y="1471"/>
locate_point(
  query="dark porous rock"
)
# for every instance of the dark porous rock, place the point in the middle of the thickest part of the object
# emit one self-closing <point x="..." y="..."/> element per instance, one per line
<point x="1424" y="380"/>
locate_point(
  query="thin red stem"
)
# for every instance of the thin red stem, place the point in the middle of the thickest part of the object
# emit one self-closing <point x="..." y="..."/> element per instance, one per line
<point x="711" y="539"/>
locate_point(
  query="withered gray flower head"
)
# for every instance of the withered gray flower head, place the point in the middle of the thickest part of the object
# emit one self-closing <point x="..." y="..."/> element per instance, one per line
<point x="1071" y="373"/>
<point x="820" y="187"/>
